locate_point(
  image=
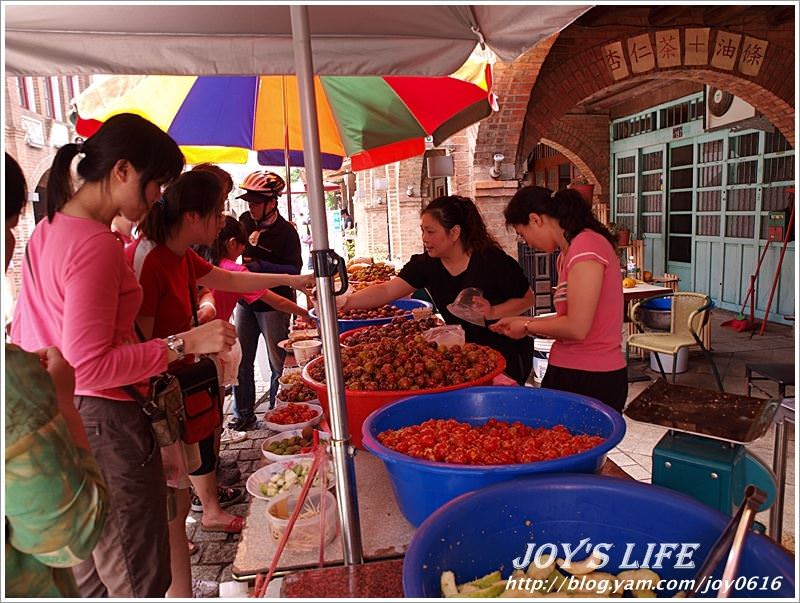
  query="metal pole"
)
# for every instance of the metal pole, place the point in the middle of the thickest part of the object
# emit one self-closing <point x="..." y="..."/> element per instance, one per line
<point x="286" y="163"/>
<point x="344" y="468"/>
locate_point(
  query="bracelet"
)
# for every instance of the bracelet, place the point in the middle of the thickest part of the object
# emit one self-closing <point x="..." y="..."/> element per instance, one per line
<point x="209" y="304"/>
<point x="527" y="322"/>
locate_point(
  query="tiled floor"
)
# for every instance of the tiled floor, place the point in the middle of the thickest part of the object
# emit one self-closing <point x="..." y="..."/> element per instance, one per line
<point x="731" y="351"/>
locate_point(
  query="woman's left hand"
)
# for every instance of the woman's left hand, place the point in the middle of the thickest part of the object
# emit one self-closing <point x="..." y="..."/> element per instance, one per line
<point x="511" y="326"/>
<point x="482" y="305"/>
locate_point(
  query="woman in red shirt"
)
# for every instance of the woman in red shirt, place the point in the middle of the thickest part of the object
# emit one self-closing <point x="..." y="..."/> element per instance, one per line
<point x="189" y="213"/>
<point x="586" y="357"/>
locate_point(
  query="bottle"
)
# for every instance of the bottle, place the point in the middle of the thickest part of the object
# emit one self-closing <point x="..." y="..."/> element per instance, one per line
<point x="632" y="268"/>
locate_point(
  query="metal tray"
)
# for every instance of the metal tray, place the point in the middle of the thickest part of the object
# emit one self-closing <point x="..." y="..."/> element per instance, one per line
<point x="730" y="417"/>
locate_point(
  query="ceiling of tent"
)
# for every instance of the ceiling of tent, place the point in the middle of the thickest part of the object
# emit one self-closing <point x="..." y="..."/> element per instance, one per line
<point x="247" y="39"/>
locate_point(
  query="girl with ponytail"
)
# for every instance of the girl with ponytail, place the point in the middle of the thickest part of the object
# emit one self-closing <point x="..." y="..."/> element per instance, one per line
<point x="79" y="294"/>
<point x="459" y="253"/>
<point x="586" y="357"/>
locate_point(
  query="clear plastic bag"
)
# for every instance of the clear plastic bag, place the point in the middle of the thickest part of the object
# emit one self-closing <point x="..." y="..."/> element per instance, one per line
<point x="447" y="335"/>
<point x="228" y="365"/>
<point x="465" y="307"/>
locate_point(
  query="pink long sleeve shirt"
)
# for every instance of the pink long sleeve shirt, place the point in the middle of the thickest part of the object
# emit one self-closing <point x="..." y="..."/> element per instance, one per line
<point x="80" y="295"/>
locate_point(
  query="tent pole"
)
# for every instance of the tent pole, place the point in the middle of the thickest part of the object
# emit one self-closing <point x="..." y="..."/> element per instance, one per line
<point x="342" y="450"/>
<point x="287" y="164"/>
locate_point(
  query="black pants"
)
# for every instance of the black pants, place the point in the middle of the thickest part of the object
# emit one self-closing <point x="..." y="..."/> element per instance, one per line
<point x="609" y="387"/>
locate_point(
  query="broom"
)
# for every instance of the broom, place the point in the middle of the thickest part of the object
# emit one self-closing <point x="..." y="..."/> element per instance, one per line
<point x="742" y="323"/>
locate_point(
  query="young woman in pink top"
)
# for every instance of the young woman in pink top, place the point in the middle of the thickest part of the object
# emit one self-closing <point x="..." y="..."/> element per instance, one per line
<point x="79" y="295"/>
<point x="586" y="357"/>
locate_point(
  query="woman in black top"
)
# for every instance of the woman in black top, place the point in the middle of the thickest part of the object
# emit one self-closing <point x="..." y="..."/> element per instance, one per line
<point x="460" y="253"/>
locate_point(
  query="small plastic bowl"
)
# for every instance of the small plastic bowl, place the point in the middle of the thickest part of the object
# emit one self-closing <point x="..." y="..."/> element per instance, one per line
<point x="271" y="456"/>
<point x="264" y="475"/>
<point x="305" y="532"/>
<point x="290" y="426"/>
<point x="287" y="372"/>
<point x="306" y="349"/>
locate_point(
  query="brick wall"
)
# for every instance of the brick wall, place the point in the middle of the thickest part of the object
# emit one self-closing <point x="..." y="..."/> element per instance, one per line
<point x="34" y="160"/>
<point x="491" y="197"/>
<point x="538" y="93"/>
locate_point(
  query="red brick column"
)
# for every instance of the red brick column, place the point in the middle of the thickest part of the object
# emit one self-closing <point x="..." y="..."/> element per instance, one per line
<point x="491" y="197"/>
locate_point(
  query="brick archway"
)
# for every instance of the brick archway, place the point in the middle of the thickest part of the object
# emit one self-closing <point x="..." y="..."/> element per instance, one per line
<point x="552" y="78"/>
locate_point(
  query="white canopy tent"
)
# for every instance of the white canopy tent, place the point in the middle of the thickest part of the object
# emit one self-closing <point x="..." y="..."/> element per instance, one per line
<point x="257" y="39"/>
<point x="249" y="39"/>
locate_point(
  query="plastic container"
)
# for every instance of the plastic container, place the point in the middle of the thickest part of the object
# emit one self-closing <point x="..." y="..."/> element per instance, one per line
<point x="361" y="403"/>
<point x="541" y="354"/>
<point x="272" y="457"/>
<point x="421" y="487"/>
<point x="306" y="350"/>
<point x="681" y="362"/>
<point x="305" y="532"/>
<point x="404" y="304"/>
<point x="291" y="426"/>
<point x="656" y="314"/>
<point x="484" y="531"/>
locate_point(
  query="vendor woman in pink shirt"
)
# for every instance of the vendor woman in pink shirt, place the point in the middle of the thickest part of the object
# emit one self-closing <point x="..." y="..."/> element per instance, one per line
<point x="79" y="294"/>
<point x="586" y="357"/>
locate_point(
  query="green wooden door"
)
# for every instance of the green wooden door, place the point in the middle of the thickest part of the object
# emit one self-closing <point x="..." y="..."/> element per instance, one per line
<point x="680" y="205"/>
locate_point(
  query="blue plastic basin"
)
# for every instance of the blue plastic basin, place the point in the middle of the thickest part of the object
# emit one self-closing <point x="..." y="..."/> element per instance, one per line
<point x="661" y="303"/>
<point x="403" y="304"/>
<point x="484" y="531"/>
<point x="421" y="486"/>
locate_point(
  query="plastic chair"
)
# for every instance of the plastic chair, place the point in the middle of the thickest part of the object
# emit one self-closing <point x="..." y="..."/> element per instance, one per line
<point x="690" y="314"/>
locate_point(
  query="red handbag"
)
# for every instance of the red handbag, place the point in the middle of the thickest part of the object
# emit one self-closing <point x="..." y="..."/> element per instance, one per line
<point x="201" y="399"/>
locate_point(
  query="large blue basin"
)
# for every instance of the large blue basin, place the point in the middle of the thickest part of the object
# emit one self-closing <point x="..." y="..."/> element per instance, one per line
<point x="421" y="486"/>
<point x="348" y="325"/>
<point x="486" y="530"/>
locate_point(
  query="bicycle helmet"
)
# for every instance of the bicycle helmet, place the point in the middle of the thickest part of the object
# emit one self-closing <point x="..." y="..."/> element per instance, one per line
<point x="262" y="186"/>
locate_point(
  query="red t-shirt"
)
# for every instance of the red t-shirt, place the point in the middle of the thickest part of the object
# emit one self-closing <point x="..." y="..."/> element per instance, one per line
<point x="165" y="278"/>
<point x="601" y="349"/>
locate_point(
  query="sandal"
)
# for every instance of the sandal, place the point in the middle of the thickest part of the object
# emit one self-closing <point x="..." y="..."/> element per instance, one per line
<point x="234" y="527"/>
<point x="226" y="496"/>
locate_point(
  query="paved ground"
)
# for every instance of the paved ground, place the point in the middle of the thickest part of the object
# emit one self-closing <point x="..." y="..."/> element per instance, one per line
<point x="731" y="351"/>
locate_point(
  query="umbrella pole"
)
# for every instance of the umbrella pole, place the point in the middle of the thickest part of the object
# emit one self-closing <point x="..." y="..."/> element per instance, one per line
<point x="287" y="164"/>
<point x="325" y="264"/>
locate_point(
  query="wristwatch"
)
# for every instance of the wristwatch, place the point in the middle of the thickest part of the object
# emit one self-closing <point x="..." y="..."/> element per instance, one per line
<point x="176" y="344"/>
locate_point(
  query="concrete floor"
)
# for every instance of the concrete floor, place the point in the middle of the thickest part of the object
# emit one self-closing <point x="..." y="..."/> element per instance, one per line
<point x="732" y="350"/>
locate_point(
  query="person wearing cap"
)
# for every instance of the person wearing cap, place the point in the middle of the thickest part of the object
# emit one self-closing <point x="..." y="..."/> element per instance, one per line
<point x="273" y="246"/>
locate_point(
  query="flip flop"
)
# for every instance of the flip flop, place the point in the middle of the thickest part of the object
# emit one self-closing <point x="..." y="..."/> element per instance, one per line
<point x="234" y="527"/>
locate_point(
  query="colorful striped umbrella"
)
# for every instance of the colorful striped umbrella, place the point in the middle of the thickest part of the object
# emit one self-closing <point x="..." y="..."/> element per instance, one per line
<point x="374" y="120"/>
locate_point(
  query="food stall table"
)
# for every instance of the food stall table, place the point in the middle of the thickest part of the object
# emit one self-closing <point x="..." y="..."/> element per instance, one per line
<point x="376" y="579"/>
<point x="385" y="532"/>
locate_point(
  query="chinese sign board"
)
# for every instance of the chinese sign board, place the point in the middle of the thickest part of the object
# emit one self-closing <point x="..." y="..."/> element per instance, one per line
<point x="689" y="46"/>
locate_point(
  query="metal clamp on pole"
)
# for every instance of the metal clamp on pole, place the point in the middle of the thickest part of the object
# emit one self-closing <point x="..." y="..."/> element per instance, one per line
<point x="328" y="263"/>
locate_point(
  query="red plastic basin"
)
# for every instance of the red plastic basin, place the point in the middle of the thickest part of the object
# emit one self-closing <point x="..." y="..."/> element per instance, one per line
<point x="360" y="404"/>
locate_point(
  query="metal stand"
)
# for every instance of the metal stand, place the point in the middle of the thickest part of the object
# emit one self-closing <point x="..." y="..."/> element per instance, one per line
<point x="784" y="415"/>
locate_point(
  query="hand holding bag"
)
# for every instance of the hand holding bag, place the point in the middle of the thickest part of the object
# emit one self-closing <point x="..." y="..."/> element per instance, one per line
<point x="185" y="401"/>
<point x="199" y="386"/>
